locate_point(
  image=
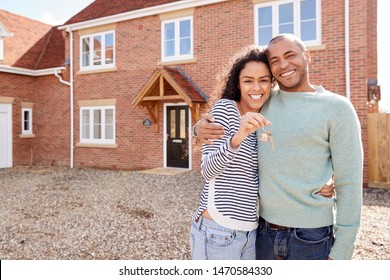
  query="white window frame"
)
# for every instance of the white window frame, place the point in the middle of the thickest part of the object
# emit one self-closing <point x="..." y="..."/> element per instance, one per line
<point x="91" y="139"/>
<point x="28" y="131"/>
<point x="3" y="34"/>
<point x="297" y="20"/>
<point x="1" y="49"/>
<point x="177" y="55"/>
<point x="103" y="53"/>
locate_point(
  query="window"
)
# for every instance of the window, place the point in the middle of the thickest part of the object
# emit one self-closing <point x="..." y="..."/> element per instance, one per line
<point x="1" y="49"/>
<point x="27" y="121"/>
<point x="3" y="34"/>
<point x="299" y="17"/>
<point x="177" y="39"/>
<point x="97" y="51"/>
<point x="97" y="125"/>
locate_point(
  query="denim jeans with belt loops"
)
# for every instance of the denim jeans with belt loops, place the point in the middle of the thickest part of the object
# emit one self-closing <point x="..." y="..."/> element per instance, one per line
<point x="210" y="241"/>
<point x="293" y="243"/>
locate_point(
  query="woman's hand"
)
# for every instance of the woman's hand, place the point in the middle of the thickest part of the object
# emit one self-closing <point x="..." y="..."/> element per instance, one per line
<point x="250" y="122"/>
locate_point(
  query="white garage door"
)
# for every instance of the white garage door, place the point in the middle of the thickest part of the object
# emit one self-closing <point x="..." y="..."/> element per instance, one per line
<point x="5" y="135"/>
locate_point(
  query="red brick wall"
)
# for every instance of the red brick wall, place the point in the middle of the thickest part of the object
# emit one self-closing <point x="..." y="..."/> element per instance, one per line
<point x="137" y="53"/>
<point x="22" y="89"/>
<point x="50" y="119"/>
<point x="372" y="36"/>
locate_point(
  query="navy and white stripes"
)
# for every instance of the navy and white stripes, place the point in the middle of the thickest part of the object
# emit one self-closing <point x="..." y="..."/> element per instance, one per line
<point x="231" y="187"/>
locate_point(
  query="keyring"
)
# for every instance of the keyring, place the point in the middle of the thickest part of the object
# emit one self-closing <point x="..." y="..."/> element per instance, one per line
<point x="267" y="135"/>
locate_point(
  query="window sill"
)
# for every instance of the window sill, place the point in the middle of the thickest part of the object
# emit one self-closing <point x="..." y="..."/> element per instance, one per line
<point x="175" y="62"/>
<point x="317" y="47"/>
<point x="96" y="71"/>
<point x="26" y="135"/>
<point x="102" y="146"/>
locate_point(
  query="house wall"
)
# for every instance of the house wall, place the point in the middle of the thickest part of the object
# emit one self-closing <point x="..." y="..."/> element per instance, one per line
<point x="50" y="145"/>
<point x="22" y="89"/>
<point x="216" y="38"/>
<point x="52" y="118"/>
<point x="138" y="53"/>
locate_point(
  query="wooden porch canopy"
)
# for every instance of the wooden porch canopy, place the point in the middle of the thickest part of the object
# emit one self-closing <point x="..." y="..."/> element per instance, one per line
<point x="169" y="84"/>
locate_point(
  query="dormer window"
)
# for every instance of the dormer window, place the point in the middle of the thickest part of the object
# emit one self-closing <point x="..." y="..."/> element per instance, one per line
<point x="1" y="49"/>
<point x="3" y="33"/>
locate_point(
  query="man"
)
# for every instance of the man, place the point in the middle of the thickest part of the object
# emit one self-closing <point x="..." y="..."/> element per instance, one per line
<point x="315" y="134"/>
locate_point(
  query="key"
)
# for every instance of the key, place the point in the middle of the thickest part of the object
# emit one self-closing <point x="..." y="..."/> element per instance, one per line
<point x="269" y="133"/>
<point x="263" y="137"/>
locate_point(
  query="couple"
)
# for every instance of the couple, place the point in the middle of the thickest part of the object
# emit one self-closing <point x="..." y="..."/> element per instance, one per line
<point x="314" y="134"/>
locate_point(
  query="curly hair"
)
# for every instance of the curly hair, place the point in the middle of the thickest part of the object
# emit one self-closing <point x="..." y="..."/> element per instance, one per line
<point x="230" y="79"/>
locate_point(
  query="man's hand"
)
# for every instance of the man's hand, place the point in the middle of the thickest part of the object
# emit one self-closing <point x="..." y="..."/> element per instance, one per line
<point x="206" y="130"/>
<point x="328" y="189"/>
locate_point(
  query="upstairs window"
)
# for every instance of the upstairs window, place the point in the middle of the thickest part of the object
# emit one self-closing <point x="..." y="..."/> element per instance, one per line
<point x="97" y="51"/>
<point x="298" y="17"/>
<point x="177" y="39"/>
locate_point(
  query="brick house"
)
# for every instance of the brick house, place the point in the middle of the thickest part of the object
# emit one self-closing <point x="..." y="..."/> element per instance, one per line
<point x="120" y="84"/>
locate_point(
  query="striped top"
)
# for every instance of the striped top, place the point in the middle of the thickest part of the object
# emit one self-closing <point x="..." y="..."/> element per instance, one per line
<point x="231" y="175"/>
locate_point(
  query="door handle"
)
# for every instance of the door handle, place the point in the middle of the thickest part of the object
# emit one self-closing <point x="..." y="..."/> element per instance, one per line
<point x="177" y="141"/>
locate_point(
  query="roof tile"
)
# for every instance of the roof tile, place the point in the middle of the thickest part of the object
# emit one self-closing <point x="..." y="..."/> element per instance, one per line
<point x="104" y="8"/>
<point x="34" y="45"/>
<point x="193" y="91"/>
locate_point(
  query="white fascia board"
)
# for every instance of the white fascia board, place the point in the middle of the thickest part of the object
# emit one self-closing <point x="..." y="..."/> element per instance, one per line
<point x="28" y="72"/>
<point x="170" y="7"/>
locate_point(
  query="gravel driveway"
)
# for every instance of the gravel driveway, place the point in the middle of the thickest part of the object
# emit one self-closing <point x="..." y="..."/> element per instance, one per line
<point x="58" y="213"/>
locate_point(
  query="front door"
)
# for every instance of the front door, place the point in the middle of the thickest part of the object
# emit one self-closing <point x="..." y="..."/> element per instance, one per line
<point x="5" y="135"/>
<point x="177" y="136"/>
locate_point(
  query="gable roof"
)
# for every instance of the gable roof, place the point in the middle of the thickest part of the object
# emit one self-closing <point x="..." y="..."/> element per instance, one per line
<point x="155" y="89"/>
<point x="185" y="83"/>
<point x="104" y="8"/>
<point x="102" y="12"/>
<point x="34" y="45"/>
<point x="53" y="54"/>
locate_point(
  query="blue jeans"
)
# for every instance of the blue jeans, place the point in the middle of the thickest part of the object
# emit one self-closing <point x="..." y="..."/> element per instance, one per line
<point x="293" y="243"/>
<point x="210" y="241"/>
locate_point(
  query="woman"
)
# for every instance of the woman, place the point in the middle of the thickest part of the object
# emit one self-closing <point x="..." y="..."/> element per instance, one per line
<point x="224" y="225"/>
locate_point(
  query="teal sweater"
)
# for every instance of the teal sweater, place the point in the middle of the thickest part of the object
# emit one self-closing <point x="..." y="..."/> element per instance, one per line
<point x="316" y="134"/>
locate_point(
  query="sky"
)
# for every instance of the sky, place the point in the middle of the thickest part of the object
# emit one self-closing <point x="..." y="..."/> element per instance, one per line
<point x="54" y="12"/>
<point x="57" y="12"/>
